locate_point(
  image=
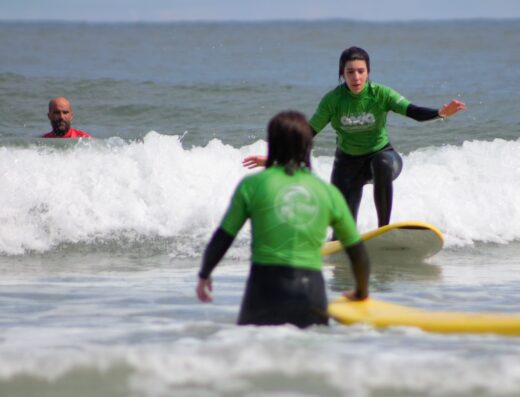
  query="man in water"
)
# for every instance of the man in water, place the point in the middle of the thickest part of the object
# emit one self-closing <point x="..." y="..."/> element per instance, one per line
<point x="60" y="115"/>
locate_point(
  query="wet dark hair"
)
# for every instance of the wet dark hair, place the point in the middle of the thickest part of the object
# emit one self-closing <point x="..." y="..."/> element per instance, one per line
<point x="353" y="54"/>
<point x="289" y="140"/>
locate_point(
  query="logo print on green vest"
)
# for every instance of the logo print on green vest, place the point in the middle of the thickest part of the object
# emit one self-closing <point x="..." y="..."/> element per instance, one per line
<point x="296" y="205"/>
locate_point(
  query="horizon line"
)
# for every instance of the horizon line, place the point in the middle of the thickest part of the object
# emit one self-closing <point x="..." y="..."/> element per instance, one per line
<point x="238" y="20"/>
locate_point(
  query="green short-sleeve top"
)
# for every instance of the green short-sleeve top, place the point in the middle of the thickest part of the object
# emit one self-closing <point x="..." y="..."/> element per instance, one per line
<point x="289" y="217"/>
<point x="359" y="119"/>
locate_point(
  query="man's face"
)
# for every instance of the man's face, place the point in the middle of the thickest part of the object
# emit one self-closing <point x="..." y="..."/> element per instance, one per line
<point x="60" y="115"/>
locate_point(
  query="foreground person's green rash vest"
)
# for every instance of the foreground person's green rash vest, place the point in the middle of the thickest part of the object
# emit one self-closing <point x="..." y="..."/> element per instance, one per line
<point x="289" y="217"/>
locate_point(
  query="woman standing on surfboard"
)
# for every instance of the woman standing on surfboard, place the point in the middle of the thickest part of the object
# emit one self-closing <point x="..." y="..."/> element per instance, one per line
<point x="290" y="210"/>
<point x="357" y="110"/>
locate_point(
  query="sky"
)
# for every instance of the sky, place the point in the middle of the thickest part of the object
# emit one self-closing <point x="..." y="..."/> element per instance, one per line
<point x="255" y="10"/>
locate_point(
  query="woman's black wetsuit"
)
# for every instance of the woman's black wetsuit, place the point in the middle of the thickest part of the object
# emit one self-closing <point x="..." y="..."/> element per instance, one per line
<point x="351" y="173"/>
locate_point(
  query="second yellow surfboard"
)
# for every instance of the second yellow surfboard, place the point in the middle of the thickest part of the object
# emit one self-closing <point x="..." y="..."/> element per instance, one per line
<point x="411" y="239"/>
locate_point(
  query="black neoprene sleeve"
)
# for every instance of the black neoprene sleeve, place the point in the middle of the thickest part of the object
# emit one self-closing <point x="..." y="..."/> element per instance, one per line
<point x="419" y="113"/>
<point x="215" y="250"/>
<point x="358" y="256"/>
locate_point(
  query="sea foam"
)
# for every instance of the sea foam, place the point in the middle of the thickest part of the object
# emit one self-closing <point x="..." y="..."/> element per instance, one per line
<point x="104" y="190"/>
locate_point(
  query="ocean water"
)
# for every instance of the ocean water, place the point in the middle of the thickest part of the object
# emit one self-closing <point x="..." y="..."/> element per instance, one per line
<point x="101" y="240"/>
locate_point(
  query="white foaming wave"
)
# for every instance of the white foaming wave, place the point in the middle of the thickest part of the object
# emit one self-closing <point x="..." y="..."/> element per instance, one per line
<point x="240" y="360"/>
<point x="470" y="192"/>
<point x="103" y="190"/>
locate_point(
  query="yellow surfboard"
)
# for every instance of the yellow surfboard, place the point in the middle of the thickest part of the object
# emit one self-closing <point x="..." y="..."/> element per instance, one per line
<point x="411" y="239"/>
<point x="382" y="314"/>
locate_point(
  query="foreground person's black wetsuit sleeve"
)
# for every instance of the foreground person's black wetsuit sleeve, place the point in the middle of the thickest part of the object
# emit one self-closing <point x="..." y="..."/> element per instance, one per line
<point x="215" y="250"/>
<point x="358" y="256"/>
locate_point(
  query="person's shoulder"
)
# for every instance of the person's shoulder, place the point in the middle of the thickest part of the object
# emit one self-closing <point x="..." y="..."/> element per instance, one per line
<point x="74" y="133"/>
<point x="71" y="133"/>
<point x="258" y="179"/>
<point x="250" y="184"/>
<point x="332" y="96"/>
<point x="48" y="135"/>
<point x="330" y="195"/>
<point x="377" y="87"/>
<point x="336" y="91"/>
<point x="381" y="89"/>
<point x="325" y="185"/>
<point x="254" y="177"/>
<point x="332" y="93"/>
<point x="383" y="92"/>
<point x="318" y="181"/>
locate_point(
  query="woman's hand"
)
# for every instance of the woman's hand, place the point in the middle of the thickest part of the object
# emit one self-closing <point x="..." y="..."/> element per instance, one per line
<point x="204" y="288"/>
<point x="451" y="108"/>
<point x="254" y="161"/>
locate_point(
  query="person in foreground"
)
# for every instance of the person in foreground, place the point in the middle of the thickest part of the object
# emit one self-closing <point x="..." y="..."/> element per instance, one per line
<point x="290" y="209"/>
<point x="357" y="110"/>
<point x="60" y="115"/>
